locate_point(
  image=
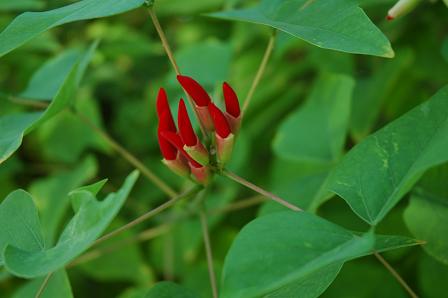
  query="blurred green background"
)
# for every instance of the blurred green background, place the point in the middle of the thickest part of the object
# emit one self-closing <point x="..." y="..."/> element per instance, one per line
<point x="118" y="93"/>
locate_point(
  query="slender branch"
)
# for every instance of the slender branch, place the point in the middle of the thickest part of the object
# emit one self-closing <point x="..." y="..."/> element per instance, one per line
<point x="43" y="285"/>
<point x="258" y="189"/>
<point x="148" y="215"/>
<point x="142" y="236"/>
<point x="261" y="69"/>
<point x="169" y="53"/>
<point x="238" y="205"/>
<point x="26" y="102"/>
<point x="396" y="275"/>
<point x="129" y="157"/>
<point x="208" y="251"/>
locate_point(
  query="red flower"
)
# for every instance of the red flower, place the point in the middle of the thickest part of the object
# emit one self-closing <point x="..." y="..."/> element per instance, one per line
<point x="222" y="127"/>
<point x="186" y="129"/>
<point x="231" y="100"/>
<point x="199" y="95"/>
<point x="176" y="141"/>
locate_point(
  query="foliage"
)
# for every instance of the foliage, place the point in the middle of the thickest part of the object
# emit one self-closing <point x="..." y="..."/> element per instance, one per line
<point x="349" y="122"/>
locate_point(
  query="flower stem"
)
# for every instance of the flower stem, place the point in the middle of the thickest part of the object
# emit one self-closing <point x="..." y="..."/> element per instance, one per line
<point x="169" y="53"/>
<point x="149" y="214"/>
<point x="43" y="285"/>
<point x="261" y="69"/>
<point x="208" y="250"/>
<point x="258" y="189"/>
<point x="396" y="275"/>
<point x="129" y="157"/>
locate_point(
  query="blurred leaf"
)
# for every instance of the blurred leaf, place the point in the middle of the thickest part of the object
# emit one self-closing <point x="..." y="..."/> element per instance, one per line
<point x="292" y="252"/>
<point x="52" y="135"/>
<point x="316" y="132"/>
<point x="45" y="82"/>
<point x="378" y="172"/>
<point x="432" y="278"/>
<point x="14" y="127"/>
<point x="370" y="94"/>
<point x="364" y="280"/>
<point x="89" y="222"/>
<point x="51" y="195"/>
<point x="19" y="223"/>
<point x="174" y="7"/>
<point x="169" y="289"/>
<point x="7" y="5"/>
<point x="29" y="24"/>
<point x="427" y="213"/>
<point x="333" y="24"/>
<point x="58" y="286"/>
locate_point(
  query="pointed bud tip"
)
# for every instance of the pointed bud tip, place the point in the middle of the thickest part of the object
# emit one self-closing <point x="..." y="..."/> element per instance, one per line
<point x="222" y="128"/>
<point x="195" y="90"/>
<point x="186" y="129"/>
<point x="231" y="100"/>
<point x="389" y="17"/>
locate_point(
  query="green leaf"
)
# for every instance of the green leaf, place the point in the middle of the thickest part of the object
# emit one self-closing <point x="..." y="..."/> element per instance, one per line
<point x="427" y="213"/>
<point x="51" y="195"/>
<point x="167" y="289"/>
<point x="378" y="172"/>
<point x="333" y="24"/>
<point x="316" y="132"/>
<point x="89" y="222"/>
<point x="29" y="24"/>
<point x="370" y="94"/>
<point x="291" y="252"/>
<point x="6" y="5"/>
<point x="40" y="87"/>
<point x="14" y="127"/>
<point x="432" y="277"/>
<point x="58" y="286"/>
<point x="19" y="223"/>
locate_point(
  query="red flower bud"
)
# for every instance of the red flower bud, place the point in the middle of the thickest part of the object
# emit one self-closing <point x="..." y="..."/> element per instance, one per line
<point x="185" y="128"/>
<point x="176" y="141"/>
<point x="162" y="108"/>
<point x="231" y="100"/>
<point x="199" y="95"/>
<point x="222" y="127"/>
<point x="169" y="152"/>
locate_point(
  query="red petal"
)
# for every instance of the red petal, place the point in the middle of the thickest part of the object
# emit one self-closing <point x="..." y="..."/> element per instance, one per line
<point x="231" y="100"/>
<point x="222" y="128"/>
<point x="164" y="111"/>
<point x="199" y="95"/>
<point x="176" y="141"/>
<point x="186" y="130"/>
<point x="169" y="152"/>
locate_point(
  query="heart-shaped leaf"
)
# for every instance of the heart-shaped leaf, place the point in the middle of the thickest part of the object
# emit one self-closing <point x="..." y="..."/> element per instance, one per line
<point x="331" y="24"/>
<point x="294" y="252"/>
<point x="379" y="171"/>
<point x="90" y="220"/>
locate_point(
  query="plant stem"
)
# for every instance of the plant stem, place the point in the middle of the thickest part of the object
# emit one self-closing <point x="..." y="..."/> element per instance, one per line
<point x="148" y="215"/>
<point x="261" y="69"/>
<point x="169" y="53"/>
<point x="396" y="275"/>
<point x="27" y="102"/>
<point x="129" y="157"/>
<point x="43" y="285"/>
<point x="261" y="191"/>
<point x="142" y="236"/>
<point x="208" y="250"/>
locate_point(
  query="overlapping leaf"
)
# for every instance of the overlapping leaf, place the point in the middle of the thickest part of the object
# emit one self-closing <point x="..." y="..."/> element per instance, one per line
<point x="13" y="127"/>
<point x="29" y="24"/>
<point x="332" y="24"/>
<point x="90" y="220"/>
<point x="294" y="252"/>
<point x="378" y="172"/>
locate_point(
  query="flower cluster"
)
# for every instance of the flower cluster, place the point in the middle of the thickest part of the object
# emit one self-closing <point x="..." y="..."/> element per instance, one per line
<point x="182" y="150"/>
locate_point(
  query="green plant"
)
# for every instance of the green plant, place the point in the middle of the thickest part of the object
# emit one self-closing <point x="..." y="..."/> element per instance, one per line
<point x="365" y="133"/>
